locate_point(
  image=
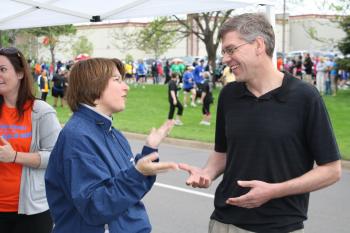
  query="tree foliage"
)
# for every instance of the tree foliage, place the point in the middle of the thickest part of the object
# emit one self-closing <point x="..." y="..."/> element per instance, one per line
<point x="82" y="45"/>
<point x="128" y="58"/>
<point x="52" y="35"/>
<point x="8" y="38"/>
<point x="20" y="39"/>
<point x="344" y="44"/>
<point x="123" y="40"/>
<point x="158" y="37"/>
<point x="340" y="6"/>
<point x="205" y="26"/>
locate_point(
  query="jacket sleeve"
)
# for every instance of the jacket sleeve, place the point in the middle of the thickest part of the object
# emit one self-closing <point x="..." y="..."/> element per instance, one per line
<point x="98" y="196"/>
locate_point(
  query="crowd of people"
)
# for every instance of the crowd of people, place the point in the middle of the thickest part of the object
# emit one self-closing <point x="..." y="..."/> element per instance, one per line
<point x="195" y="81"/>
<point x="51" y="78"/>
<point x="323" y="72"/>
<point x="271" y="130"/>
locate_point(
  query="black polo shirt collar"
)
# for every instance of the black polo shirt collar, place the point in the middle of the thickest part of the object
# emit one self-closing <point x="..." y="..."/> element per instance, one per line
<point x="280" y="93"/>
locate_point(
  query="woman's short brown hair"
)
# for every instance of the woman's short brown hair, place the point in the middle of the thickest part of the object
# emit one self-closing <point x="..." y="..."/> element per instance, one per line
<point x="89" y="78"/>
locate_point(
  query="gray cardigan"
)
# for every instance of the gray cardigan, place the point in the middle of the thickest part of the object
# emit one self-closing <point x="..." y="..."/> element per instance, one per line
<point x="45" y="130"/>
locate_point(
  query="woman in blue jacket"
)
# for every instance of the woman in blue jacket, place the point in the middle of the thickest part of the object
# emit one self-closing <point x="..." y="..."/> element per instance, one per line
<point x="93" y="181"/>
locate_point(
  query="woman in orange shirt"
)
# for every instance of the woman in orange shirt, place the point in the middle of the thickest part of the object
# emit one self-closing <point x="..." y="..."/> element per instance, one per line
<point x="28" y="132"/>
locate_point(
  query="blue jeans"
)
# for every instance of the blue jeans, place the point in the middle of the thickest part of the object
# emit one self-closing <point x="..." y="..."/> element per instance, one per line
<point x="328" y="87"/>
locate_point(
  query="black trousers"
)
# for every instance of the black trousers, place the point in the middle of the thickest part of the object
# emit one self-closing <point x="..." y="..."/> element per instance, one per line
<point x="44" y="95"/>
<point x="21" y="223"/>
<point x="179" y="107"/>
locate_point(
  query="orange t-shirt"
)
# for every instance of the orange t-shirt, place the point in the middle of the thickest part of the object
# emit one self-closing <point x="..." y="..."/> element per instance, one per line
<point x="37" y="69"/>
<point x="19" y="135"/>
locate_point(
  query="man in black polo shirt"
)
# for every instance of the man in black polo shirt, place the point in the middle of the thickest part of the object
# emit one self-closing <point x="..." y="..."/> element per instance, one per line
<point x="270" y="130"/>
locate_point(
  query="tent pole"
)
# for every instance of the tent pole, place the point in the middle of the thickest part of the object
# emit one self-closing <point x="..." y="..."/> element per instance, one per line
<point x="270" y="14"/>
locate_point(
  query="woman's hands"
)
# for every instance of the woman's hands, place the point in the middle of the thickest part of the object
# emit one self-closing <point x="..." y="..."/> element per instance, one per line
<point x="7" y="153"/>
<point x="147" y="167"/>
<point x="157" y="135"/>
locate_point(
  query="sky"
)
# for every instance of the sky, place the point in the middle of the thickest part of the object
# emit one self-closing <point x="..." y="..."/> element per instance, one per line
<point x="293" y="7"/>
<point x="300" y="7"/>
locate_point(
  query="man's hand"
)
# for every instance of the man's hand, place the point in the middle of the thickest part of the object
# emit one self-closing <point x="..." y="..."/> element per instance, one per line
<point x="198" y="177"/>
<point x="260" y="193"/>
<point x="157" y="135"/>
<point x="147" y="167"/>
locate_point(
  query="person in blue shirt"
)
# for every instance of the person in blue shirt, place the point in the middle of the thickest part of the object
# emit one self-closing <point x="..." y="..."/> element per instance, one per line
<point x="93" y="182"/>
<point x="141" y="71"/>
<point x="333" y="73"/>
<point x="197" y="73"/>
<point x="198" y="78"/>
<point x="189" y="86"/>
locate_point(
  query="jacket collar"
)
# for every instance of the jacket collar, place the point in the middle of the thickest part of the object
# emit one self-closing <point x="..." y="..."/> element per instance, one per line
<point x="89" y="113"/>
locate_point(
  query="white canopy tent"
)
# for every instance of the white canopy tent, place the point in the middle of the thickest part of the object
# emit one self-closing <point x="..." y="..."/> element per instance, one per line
<point x="17" y="14"/>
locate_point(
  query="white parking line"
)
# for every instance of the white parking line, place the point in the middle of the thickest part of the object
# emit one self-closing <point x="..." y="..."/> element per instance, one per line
<point x="184" y="190"/>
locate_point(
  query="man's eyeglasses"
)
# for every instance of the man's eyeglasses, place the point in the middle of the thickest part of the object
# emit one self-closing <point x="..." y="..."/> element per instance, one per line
<point x="230" y="50"/>
<point x="9" y="51"/>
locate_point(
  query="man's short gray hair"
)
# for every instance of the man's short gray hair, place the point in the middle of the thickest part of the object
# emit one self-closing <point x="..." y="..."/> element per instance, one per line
<point x="250" y="26"/>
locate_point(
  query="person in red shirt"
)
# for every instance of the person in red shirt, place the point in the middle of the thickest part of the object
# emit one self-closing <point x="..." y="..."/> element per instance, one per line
<point x="280" y="63"/>
<point x="28" y="131"/>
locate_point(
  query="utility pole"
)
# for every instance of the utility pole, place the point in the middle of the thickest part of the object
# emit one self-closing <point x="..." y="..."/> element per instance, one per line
<point x="284" y="31"/>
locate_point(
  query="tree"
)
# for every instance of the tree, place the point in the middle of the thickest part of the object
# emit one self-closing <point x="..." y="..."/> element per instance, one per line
<point x="205" y="26"/>
<point x="8" y="38"/>
<point x="343" y="6"/>
<point x="344" y="44"/>
<point x="129" y="58"/>
<point x="51" y="36"/>
<point x="158" y="37"/>
<point x="20" y="39"/>
<point x="124" y="40"/>
<point x="82" y="45"/>
<point x="4" y="39"/>
<point x="339" y="8"/>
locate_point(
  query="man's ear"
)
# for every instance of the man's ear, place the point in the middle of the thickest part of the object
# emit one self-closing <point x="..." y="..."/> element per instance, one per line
<point x="260" y="45"/>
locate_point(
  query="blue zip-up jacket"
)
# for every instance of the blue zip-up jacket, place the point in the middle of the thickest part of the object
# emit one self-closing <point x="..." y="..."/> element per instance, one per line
<point x="91" y="181"/>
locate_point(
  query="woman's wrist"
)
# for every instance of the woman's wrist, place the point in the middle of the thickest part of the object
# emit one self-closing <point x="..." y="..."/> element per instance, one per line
<point x="15" y="157"/>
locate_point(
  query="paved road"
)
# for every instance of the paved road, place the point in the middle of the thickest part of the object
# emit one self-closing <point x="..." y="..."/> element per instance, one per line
<point x="175" y="208"/>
